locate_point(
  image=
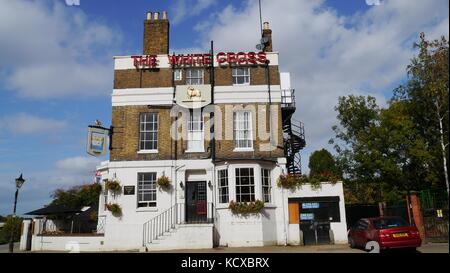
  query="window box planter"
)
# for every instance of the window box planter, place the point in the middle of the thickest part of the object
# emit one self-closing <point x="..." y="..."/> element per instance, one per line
<point x="246" y="208"/>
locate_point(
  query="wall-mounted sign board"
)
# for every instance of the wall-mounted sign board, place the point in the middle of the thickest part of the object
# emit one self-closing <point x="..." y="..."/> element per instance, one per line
<point x="128" y="190"/>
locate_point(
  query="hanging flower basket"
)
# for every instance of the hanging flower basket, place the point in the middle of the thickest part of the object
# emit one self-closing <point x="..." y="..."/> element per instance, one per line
<point x="164" y="182"/>
<point x="115" y="209"/>
<point x="113" y="185"/>
<point x="246" y="208"/>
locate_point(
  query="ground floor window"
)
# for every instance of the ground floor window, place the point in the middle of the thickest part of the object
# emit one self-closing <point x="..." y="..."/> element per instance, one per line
<point x="146" y="190"/>
<point x="245" y="185"/>
<point x="223" y="186"/>
<point x="266" y="185"/>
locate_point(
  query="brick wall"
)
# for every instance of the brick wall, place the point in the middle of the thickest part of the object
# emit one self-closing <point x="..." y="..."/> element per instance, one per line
<point x="125" y="140"/>
<point x="132" y="78"/>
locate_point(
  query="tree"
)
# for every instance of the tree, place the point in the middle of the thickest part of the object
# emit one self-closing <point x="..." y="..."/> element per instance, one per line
<point x="84" y="195"/>
<point x="322" y="162"/>
<point x="404" y="146"/>
<point x="5" y="232"/>
<point x="380" y="149"/>
<point x="426" y="94"/>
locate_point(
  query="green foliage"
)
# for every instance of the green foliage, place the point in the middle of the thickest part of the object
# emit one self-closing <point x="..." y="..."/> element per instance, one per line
<point x="113" y="185"/>
<point x="246" y="208"/>
<point x="84" y="195"/>
<point x="295" y="181"/>
<point x="163" y="182"/>
<point x="115" y="209"/>
<point x="5" y="232"/>
<point x="384" y="152"/>
<point x="322" y="163"/>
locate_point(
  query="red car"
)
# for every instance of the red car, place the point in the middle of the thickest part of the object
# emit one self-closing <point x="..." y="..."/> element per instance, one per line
<point x="388" y="232"/>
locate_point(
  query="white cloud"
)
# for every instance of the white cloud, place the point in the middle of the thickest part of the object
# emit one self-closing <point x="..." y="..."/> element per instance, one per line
<point x="81" y="165"/>
<point x="24" y="123"/>
<point x="50" y="50"/>
<point x="184" y="9"/>
<point x="329" y="55"/>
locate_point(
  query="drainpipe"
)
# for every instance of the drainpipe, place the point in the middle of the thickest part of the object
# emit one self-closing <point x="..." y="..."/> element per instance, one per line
<point x="284" y="219"/>
<point x="270" y="104"/>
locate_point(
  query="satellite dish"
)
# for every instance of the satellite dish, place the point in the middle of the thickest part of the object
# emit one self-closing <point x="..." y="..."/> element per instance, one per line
<point x="260" y="46"/>
<point x="264" y="40"/>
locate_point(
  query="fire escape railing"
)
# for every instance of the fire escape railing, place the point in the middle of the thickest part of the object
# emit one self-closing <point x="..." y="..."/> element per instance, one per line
<point x="293" y="131"/>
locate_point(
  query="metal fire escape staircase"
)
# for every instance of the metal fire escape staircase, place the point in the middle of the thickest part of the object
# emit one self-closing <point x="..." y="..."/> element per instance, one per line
<point x="293" y="133"/>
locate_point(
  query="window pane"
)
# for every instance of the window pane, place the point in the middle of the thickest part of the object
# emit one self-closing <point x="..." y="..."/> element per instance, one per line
<point x="245" y="187"/>
<point x="148" y="135"/>
<point x="146" y="192"/>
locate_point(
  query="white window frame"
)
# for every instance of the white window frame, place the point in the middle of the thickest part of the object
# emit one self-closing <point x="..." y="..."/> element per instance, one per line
<point x="245" y="75"/>
<point x="238" y="185"/>
<point x="222" y="187"/>
<point x="142" y="190"/>
<point x="178" y="74"/>
<point x="266" y="184"/>
<point x="195" y="121"/>
<point x="143" y="130"/>
<point x="190" y="78"/>
<point x="242" y="135"/>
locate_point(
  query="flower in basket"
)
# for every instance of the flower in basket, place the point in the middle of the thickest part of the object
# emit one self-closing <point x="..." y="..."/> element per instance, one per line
<point x="113" y="185"/>
<point x="163" y="181"/>
<point x="115" y="209"/>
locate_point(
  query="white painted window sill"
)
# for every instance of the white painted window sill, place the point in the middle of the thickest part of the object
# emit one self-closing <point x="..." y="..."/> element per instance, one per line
<point x="194" y="151"/>
<point x="243" y="150"/>
<point x="146" y="209"/>
<point x="147" y="152"/>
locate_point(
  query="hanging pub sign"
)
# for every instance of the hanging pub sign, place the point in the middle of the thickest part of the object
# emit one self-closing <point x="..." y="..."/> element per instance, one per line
<point x="222" y="58"/>
<point x="97" y="140"/>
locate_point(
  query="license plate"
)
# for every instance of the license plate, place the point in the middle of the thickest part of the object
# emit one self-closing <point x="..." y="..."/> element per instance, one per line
<point x="399" y="235"/>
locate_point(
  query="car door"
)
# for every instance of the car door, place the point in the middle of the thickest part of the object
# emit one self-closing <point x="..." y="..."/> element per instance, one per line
<point x="361" y="232"/>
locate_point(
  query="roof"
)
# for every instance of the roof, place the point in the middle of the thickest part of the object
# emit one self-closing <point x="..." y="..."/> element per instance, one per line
<point x="59" y="209"/>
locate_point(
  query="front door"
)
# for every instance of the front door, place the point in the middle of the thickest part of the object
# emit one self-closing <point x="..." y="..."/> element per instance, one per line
<point x="196" y="206"/>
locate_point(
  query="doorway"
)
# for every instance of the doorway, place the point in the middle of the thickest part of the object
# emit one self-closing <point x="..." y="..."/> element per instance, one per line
<point x="196" y="202"/>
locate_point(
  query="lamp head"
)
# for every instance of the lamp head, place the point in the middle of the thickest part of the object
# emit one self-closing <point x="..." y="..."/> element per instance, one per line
<point x="19" y="181"/>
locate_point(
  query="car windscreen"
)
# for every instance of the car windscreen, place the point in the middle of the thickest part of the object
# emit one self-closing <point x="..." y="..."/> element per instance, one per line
<point x="389" y="223"/>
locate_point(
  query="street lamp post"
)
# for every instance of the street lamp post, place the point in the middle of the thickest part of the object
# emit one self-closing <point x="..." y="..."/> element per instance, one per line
<point x="19" y="183"/>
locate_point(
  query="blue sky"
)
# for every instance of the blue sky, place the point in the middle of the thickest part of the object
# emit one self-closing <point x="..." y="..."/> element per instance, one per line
<point x="56" y="68"/>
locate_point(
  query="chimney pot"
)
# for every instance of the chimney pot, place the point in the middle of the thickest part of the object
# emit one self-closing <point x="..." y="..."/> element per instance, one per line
<point x="156" y="15"/>
<point x="266" y="25"/>
<point x="149" y="16"/>
<point x="164" y="15"/>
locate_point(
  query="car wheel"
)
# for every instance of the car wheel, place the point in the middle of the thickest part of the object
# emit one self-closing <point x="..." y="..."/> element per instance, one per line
<point x="351" y="242"/>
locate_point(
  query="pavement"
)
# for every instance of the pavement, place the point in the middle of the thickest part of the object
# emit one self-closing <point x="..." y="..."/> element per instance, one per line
<point x="426" y="248"/>
<point x="5" y="248"/>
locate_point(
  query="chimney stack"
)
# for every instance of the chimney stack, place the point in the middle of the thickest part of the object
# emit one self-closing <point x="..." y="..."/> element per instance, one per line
<point x="156" y="34"/>
<point x="267" y="33"/>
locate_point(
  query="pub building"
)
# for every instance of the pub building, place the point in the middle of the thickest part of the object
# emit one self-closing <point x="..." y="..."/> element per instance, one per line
<point x="195" y="136"/>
